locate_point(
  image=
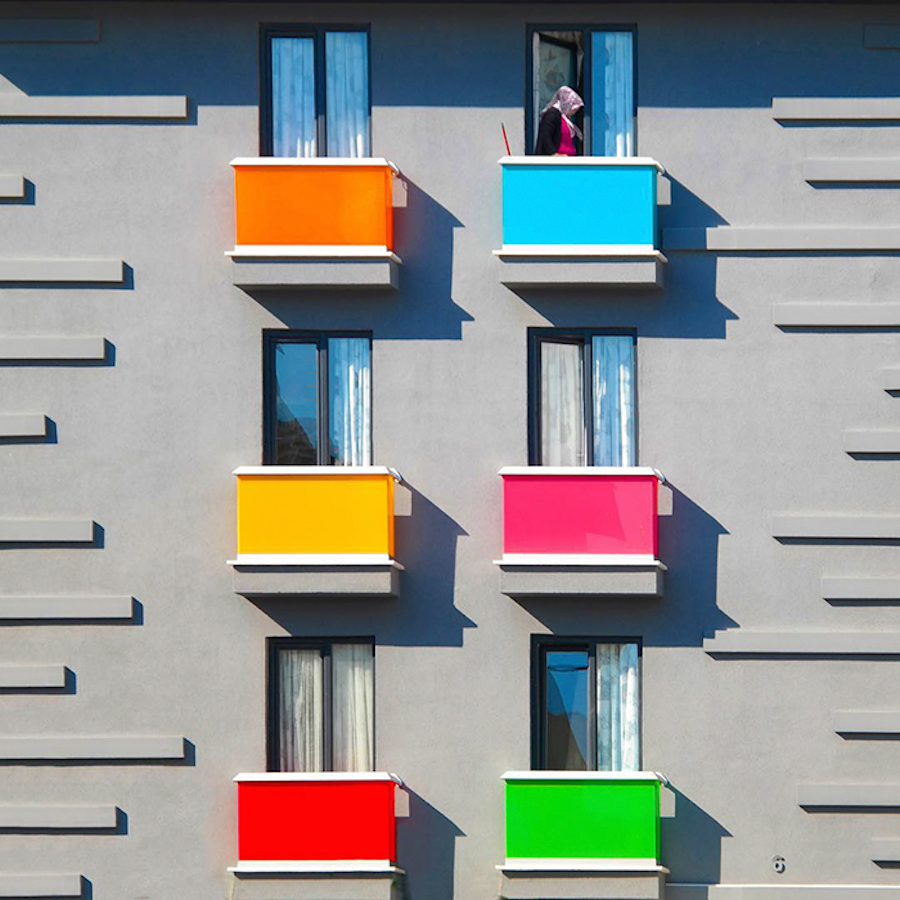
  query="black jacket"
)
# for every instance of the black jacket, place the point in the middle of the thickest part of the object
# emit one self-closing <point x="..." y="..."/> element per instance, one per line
<point x="550" y="132"/>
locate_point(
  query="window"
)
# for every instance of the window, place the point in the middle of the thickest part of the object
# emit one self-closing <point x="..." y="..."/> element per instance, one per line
<point x="587" y="705"/>
<point x="315" y="86"/>
<point x="321" y="705"/>
<point x="582" y="398"/>
<point x="317" y="399"/>
<point x="599" y="64"/>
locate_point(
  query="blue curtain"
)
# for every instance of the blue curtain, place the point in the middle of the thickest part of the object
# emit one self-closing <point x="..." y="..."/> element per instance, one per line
<point x="347" y="93"/>
<point x="612" y="93"/>
<point x="613" y="383"/>
<point x="293" y="97"/>
<point x="350" y="401"/>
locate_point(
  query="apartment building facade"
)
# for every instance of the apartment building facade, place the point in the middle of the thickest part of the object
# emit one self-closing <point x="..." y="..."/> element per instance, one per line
<point x="390" y="511"/>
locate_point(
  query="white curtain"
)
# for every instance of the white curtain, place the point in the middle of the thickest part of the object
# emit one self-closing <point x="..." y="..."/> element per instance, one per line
<point x="613" y="383"/>
<point x="353" y="722"/>
<point x="350" y="401"/>
<point x="300" y="712"/>
<point x="612" y="90"/>
<point x="562" y="405"/>
<point x="618" y="708"/>
<point x="293" y="97"/>
<point x="347" y="93"/>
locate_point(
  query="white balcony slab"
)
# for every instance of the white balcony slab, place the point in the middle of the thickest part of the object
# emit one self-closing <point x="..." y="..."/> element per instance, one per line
<point x="579" y="266"/>
<point x="862" y="588"/>
<point x="839" y="109"/>
<point x="569" y="471"/>
<point x="591" y="575"/>
<point x="852" y="170"/>
<point x="611" y="162"/>
<point x="337" y="267"/>
<point x="57" y="818"/>
<point x="29" y="885"/>
<point x="836" y="315"/>
<point x="52" y="349"/>
<point x="687" y="891"/>
<point x="22" y="106"/>
<point x="324" y="880"/>
<point x="326" y="777"/>
<point x="582" y="775"/>
<point x="12" y="187"/>
<point x="60" y="608"/>
<point x="32" y="677"/>
<point x="23" y="425"/>
<point x="312" y="575"/>
<point x="745" y="642"/>
<point x="865" y="721"/>
<point x="581" y="880"/>
<point x="856" y="796"/>
<point x="49" y="31"/>
<point x="796" y="239"/>
<point x="46" y="531"/>
<point x="150" y="748"/>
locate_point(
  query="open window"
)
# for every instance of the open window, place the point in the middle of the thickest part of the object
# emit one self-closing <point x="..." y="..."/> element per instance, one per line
<point x="599" y="63"/>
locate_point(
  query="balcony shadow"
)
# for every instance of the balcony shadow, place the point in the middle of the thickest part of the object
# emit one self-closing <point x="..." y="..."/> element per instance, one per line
<point x="689" y="546"/>
<point x="426" y="847"/>
<point x="691" y="843"/>
<point x="422" y="309"/>
<point x="424" y="615"/>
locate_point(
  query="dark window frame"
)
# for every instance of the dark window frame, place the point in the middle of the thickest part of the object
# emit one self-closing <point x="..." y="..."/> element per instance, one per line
<point x="324" y="644"/>
<point x="540" y="644"/>
<point x="581" y="336"/>
<point x="271" y="338"/>
<point x="531" y="113"/>
<point x="317" y="32"/>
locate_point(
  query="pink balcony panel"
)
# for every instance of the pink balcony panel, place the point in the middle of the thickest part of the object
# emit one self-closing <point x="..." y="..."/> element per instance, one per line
<point x="600" y="510"/>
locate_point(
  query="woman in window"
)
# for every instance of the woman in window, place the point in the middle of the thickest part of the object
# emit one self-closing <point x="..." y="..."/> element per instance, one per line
<point x="558" y="135"/>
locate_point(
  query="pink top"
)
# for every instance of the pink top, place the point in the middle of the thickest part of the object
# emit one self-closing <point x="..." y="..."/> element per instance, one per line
<point x="566" y="143"/>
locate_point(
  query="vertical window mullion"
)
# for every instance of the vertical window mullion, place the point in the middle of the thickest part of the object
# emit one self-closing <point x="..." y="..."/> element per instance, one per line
<point x="587" y="41"/>
<point x="588" y="397"/>
<point x="324" y="404"/>
<point x="327" y="717"/>
<point x="321" y="124"/>
<point x="592" y="707"/>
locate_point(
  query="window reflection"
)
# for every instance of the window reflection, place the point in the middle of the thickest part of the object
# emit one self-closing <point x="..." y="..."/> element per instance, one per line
<point x="567" y="699"/>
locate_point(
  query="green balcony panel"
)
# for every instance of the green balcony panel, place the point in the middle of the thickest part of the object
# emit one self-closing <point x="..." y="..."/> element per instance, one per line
<point x="583" y="815"/>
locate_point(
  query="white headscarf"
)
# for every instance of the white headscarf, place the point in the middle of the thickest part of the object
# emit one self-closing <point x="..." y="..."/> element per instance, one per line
<point x="568" y="103"/>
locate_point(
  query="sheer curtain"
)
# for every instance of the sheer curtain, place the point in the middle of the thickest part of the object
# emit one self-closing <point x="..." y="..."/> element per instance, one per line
<point x="612" y="89"/>
<point x="613" y="383"/>
<point x="347" y="93"/>
<point x="293" y="97"/>
<point x="562" y="405"/>
<point x="300" y="713"/>
<point x="350" y="401"/>
<point x="618" y="708"/>
<point x="353" y="722"/>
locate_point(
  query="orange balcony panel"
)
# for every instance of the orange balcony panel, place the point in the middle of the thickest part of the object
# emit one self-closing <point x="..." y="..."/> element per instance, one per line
<point x="314" y="202"/>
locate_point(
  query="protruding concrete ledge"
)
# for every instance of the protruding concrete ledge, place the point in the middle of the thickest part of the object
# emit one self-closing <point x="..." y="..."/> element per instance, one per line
<point x="32" y="677"/>
<point x="872" y="441"/>
<point x="835" y="527"/>
<point x="312" y="579"/>
<point x="148" y="748"/>
<point x="23" y="425"/>
<point x="543" y="267"/>
<point x="323" y="880"/>
<point x="782" y="892"/>
<point x="40" y="885"/>
<point x="49" y="31"/>
<point x="270" y="268"/>
<point x="581" y="883"/>
<point x="12" y="187"/>
<point x="862" y="588"/>
<point x="46" y="531"/>
<point x="882" y="37"/>
<point x="796" y="239"/>
<point x="58" y="818"/>
<point x="890" y="378"/>
<point x="69" y="271"/>
<point x="543" y="577"/>
<point x="53" y="349"/>
<point x="867" y="722"/>
<point x="872" y="171"/>
<point x="742" y="642"/>
<point x="885" y="850"/>
<point x="836" y="315"/>
<point x="838" y="109"/>
<point x="852" y="795"/>
<point x="59" y="608"/>
<point x="21" y="106"/>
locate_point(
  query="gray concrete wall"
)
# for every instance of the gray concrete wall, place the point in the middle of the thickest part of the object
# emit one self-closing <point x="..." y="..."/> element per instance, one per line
<point x="744" y="417"/>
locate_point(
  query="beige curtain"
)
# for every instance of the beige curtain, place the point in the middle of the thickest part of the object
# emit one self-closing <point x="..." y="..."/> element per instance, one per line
<point x="301" y="738"/>
<point x="353" y="722"/>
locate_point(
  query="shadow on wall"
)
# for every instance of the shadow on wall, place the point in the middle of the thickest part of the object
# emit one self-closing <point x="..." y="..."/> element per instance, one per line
<point x="691" y="842"/>
<point x="423" y="615"/>
<point x="422" y="309"/>
<point x="426" y="846"/>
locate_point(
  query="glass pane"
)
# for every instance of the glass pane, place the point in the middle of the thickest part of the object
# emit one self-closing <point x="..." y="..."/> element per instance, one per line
<point x="562" y="405"/>
<point x="353" y="715"/>
<point x="557" y="60"/>
<point x="618" y="708"/>
<point x="300" y="703"/>
<point x="350" y="401"/>
<point x="296" y="404"/>
<point x="612" y="93"/>
<point x="566" y="725"/>
<point x="293" y="96"/>
<point x="613" y="384"/>
<point x="347" y="93"/>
